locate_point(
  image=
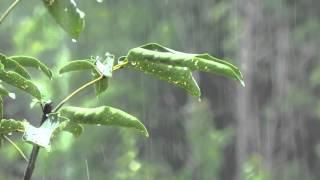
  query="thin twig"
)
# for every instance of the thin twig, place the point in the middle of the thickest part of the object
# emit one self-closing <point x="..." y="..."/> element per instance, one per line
<point x="10" y="8"/>
<point x="16" y="147"/>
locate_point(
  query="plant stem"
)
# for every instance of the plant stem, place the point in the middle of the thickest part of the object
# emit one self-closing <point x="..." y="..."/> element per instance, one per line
<point x="10" y="8"/>
<point x="47" y="109"/>
<point x="16" y="147"/>
<point x="76" y="92"/>
<point x="35" y="150"/>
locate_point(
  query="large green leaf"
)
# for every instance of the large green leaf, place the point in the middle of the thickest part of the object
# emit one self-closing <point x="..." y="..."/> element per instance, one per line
<point x="180" y="76"/>
<point x="77" y="65"/>
<point x="12" y="65"/>
<point x="27" y="61"/>
<point x="18" y="81"/>
<point x="202" y="62"/>
<point x="67" y="15"/>
<point x="103" y="116"/>
<point x="11" y="125"/>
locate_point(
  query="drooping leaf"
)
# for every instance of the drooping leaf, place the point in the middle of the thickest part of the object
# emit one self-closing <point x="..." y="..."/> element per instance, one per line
<point x="27" y="61"/>
<point x="18" y="81"/>
<point x="102" y="85"/>
<point x="67" y="15"/>
<point x="5" y="92"/>
<point x="12" y="65"/>
<point x="201" y="62"/>
<point x="77" y="65"/>
<point x="180" y="76"/>
<point x="103" y="116"/>
<point x="11" y="125"/>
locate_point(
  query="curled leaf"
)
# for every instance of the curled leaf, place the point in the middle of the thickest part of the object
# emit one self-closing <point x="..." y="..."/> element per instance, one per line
<point x="103" y="115"/>
<point x="27" y="61"/>
<point x="202" y="62"/>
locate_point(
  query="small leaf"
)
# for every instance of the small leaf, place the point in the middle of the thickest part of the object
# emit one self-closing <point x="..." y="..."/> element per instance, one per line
<point x="103" y="116"/>
<point x="67" y="15"/>
<point x="12" y="65"/>
<point x="201" y="62"/>
<point x="11" y="125"/>
<point x="27" y="61"/>
<point x="71" y="127"/>
<point x="77" y="65"/>
<point x="102" y="85"/>
<point x="20" y="82"/>
<point x="180" y="76"/>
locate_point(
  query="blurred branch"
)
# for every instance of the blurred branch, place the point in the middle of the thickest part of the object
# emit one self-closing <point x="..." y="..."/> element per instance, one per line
<point x="10" y="8"/>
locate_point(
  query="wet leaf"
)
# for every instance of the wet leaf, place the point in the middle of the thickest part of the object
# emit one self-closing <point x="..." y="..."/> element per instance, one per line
<point x="202" y="62"/>
<point x="27" y="61"/>
<point x="12" y="65"/>
<point x="11" y="125"/>
<point x="18" y="81"/>
<point x="67" y="15"/>
<point x="103" y="116"/>
<point x="77" y="65"/>
<point x="180" y="76"/>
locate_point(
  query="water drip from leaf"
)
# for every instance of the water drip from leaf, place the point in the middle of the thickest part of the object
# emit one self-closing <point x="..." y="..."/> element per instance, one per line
<point x="74" y="40"/>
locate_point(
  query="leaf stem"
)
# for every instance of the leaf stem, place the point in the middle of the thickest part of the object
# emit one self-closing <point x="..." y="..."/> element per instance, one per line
<point x="16" y="147"/>
<point x="116" y="67"/>
<point x="10" y="8"/>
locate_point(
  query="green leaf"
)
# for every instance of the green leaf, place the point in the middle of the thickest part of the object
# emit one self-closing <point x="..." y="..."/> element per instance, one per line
<point x="18" y="81"/>
<point x="27" y="61"/>
<point x="202" y="62"/>
<point x="5" y="92"/>
<point x="103" y="116"/>
<point x="71" y="127"/>
<point x="67" y="15"/>
<point x="77" y="65"/>
<point x="11" y="125"/>
<point x="102" y="85"/>
<point x="12" y="65"/>
<point x="180" y="76"/>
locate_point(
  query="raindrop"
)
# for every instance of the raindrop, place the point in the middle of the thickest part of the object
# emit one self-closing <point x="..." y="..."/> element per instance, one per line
<point x="98" y="124"/>
<point x="199" y="99"/>
<point x="133" y="63"/>
<point x="74" y="40"/>
<point x="65" y="9"/>
<point x="10" y="134"/>
<point x="99" y="1"/>
<point x="170" y="66"/>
